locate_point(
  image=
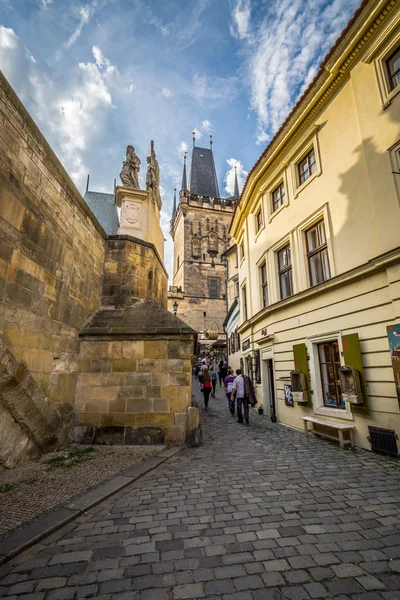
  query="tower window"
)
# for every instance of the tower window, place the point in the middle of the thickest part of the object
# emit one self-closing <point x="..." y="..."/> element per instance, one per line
<point x="204" y="314"/>
<point x="204" y="257"/>
<point x="213" y="284"/>
<point x="177" y="263"/>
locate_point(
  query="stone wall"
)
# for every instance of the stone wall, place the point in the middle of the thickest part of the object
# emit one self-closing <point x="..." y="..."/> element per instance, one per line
<point x="51" y="255"/>
<point x="134" y="391"/>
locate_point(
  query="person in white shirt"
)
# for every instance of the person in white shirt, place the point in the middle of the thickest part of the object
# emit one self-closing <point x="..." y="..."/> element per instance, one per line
<point x="238" y="393"/>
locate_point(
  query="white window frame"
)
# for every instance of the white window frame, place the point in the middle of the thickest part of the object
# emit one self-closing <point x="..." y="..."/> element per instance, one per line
<point x="394" y="153"/>
<point x="316" y="385"/>
<point x="311" y="144"/>
<point x="322" y="214"/>
<point x="273" y="268"/>
<point x="385" y="92"/>
<point x="281" y="178"/>
<point x="259" y="208"/>
<point x="242" y="304"/>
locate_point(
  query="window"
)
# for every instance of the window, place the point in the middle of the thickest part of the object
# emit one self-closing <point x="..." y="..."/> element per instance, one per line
<point x="257" y="366"/>
<point x="232" y="341"/>
<point x="285" y="272"/>
<point x="244" y="302"/>
<point x="177" y="264"/>
<point x="264" y="284"/>
<point x="213" y="287"/>
<point x="393" y="69"/>
<point x="241" y="250"/>
<point x="278" y="197"/>
<point x="329" y="363"/>
<point x="204" y="258"/>
<point x="259" y="219"/>
<point x="317" y="254"/>
<point x="307" y="167"/>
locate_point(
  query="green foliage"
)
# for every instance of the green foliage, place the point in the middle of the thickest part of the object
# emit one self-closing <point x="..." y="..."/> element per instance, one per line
<point x="6" y="487"/>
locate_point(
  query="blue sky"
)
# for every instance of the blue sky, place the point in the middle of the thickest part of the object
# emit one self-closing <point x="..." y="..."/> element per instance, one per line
<point x="102" y="74"/>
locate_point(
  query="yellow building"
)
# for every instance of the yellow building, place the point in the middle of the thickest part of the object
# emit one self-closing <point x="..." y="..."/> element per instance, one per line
<point x="318" y="232"/>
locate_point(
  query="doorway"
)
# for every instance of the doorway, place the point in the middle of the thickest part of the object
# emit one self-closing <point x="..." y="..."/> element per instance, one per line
<point x="269" y="401"/>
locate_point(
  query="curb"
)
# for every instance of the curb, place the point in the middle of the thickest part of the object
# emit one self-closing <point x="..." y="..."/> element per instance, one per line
<point x="44" y="526"/>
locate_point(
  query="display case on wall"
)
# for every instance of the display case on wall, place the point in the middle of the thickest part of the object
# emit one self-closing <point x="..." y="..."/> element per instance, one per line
<point x="299" y="386"/>
<point x="351" y="385"/>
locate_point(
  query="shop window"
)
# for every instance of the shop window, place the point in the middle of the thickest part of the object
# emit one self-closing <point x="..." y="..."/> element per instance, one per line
<point x="393" y="69"/>
<point x="278" y="197"/>
<point x="329" y="364"/>
<point x="307" y="167"/>
<point x="264" y="284"/>
<point x="285" y="272"/>
<point x="317" y="254"/>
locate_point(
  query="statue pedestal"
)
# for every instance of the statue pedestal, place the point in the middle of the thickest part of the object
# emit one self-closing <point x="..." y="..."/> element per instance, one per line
<point x="140" y="216"/>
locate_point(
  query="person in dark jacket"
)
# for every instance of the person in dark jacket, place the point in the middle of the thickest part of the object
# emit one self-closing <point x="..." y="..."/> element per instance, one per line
<point x="220" y="365"/>
<point x="224" y="370"/>
<point x="244" y="393"/>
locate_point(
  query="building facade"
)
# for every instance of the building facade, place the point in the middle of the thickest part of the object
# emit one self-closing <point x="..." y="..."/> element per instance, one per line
<point x="317" y="231"/>
<point x="232" y="319"/>
<point x="199" y="228"/>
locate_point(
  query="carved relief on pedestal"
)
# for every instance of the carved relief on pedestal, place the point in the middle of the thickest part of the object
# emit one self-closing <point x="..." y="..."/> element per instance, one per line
<point x="132" y="214"/>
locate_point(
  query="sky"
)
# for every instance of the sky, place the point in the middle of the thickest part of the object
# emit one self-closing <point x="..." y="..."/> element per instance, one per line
<point x="99" y="75"/>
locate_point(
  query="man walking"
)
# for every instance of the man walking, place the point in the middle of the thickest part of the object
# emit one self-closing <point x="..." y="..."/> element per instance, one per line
<point x="243" y="391"/>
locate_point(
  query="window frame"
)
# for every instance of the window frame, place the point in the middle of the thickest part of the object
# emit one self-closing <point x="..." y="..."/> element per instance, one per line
<point x="259" y="220"/>
<point x="311" y="253"/>
<point x="285" y="270"/>
<point x="264" y="284"/>
<point x="282" y="197"/>
<point x="389" y="74"/>
<point x="304" y="147"/>
<point x="309" y="172"/>
<point x="319" y="407"/>
<point x="212" y="280"/>
<point x="338" y="391"/>
<point x="379" y="59"/>
<point x="244" y="302"/>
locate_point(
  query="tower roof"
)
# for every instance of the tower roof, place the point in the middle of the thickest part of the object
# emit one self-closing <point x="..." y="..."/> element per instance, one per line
<point x="174" y="206"/>
<point x="103" y="207"/>
<point x="236" y="192"/>
<point x="184" y="179"/>
<point x="203" y="176"/>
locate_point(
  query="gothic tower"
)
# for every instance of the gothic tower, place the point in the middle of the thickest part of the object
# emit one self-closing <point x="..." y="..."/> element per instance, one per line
<point x="199" y="228"/>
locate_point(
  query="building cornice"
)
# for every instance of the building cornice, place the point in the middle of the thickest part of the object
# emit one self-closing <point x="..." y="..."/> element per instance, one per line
<point x="333" y="72"/>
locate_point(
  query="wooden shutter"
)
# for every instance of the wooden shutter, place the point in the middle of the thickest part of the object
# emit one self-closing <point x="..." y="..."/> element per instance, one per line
<point x="301" y="364"/>
<point x="352" y="357"/>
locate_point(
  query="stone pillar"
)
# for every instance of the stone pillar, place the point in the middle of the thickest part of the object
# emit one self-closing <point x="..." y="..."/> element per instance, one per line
<point x="140" y="216"/>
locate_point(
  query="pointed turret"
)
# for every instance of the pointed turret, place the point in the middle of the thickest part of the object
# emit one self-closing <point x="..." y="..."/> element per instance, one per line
<point x="236" y="193"/>
<point x="174" y="205"/>
<point x="203" y="176"/>
<point x="184" y="178"/>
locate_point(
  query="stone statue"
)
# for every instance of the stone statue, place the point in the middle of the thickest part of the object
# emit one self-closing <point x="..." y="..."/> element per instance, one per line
<point x="130" y="169"/>
<point x="153" y="177"/>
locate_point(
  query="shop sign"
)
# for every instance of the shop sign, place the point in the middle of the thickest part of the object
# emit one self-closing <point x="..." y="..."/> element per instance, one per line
<point x="246" y="344"/>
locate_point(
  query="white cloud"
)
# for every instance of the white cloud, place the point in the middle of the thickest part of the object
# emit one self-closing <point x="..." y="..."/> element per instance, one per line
<point x="183" y="147"/>
<point x="167" y="92"/>
<point x="230" y="176"/>
<point x="213" y="90"/>
<point x="131" y="88"/>
<point x="241" y="14"/>
<point x="207" y="126"/>
<point x="8" y="39"/>
<point x="45" y="3"/>
<point x="283" y="51"/>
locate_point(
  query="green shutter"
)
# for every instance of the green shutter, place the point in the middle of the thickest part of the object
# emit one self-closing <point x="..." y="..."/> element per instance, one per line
<point x="301" y="364"/>
<point x="352" y="357"/>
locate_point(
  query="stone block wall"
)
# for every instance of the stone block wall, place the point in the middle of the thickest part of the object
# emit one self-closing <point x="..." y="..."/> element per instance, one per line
<point x="51" y="255"/>
<point x="133" y="270"/>
<point x="134" y="391"/>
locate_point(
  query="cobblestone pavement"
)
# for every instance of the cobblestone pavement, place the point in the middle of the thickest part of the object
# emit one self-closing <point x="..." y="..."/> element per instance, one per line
<point x="257" y="512"/>
<point x="33" y="489"/>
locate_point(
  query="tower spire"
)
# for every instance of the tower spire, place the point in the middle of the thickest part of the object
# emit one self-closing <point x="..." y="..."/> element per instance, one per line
<point x="174" y="205"/>
<point x="87" y="184"/>
<point x="211" y="142"/>
<point x="184" y="179"/>
<point x="236" y="193"/>
<point x="194" y="138"/>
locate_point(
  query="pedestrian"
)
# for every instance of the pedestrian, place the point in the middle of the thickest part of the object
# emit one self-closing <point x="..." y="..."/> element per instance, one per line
<point x="228" y="383"/>
<point x="201" y="371"/>
<point x="220" y="365"/>
<point x="206" y="387"/>
<point x="224" y="370"/>
<point x="213" y="376"/>
<point x="243" y="391"/>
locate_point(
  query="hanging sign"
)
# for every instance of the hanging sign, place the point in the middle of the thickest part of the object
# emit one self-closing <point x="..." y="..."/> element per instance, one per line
<point x="246" y="344"/>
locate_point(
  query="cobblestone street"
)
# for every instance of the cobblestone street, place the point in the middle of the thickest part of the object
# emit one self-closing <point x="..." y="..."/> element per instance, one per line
<point x="257" y="512"/>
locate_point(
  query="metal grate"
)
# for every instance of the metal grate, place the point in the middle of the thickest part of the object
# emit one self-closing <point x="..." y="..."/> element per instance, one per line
<point x="383" y="441"/>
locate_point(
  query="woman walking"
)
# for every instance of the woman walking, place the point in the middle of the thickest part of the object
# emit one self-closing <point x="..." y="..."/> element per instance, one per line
<point x="206" y="387"/>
